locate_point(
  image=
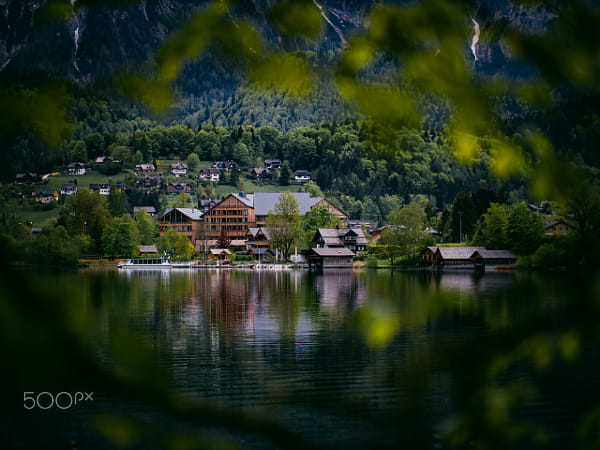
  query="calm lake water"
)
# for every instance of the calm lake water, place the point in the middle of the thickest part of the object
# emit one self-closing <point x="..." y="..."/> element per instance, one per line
<point x="337" y="359"/>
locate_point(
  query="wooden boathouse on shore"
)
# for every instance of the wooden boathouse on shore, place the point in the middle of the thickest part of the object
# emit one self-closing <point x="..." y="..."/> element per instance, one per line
<point x="331" y="257"/>
<point x="468" y="258"/>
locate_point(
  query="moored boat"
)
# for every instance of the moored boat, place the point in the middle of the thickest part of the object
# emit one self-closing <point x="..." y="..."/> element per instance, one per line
<point x="146" y="263"/>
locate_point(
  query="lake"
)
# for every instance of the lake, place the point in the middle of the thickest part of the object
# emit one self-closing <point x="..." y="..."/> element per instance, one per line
<point x="333" y="359"/>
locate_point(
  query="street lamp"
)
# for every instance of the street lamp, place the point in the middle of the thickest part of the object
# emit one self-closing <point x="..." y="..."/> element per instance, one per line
<point x="85" y="226"/>
<point x="460" y="213"/>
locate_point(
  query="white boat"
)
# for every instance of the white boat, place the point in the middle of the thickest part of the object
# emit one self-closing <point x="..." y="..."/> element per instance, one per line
<point x="182" y="264"/>
<point x="146" y="263"/>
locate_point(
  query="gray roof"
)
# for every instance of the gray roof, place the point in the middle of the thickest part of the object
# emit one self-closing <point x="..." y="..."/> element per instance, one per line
<point x="333" y="236"/>
<point x="461" y="252"/>
<point x="148" y="209"/>
<point x="147" y="249"/>
<point x="342" y="251"/>
<point x="254" y="232"/>
<point x="264" y="201"/>
<point x="246" y="199"/>
<point x="192" y="213"/>
<point x="556" y="222"/>
<point x="496" y="254"/>
<point x="218" y="251"/>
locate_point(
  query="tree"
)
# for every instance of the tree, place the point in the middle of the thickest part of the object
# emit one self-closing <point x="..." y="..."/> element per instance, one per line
<point x="283" y="223"/>
<point x="176" y="245"/>
<point x="85" y="212"/>
<point x="311" y="221"/>
<point x="285" y="174"/>
<point x="192" y="161"/>
<point x="118" y="239"/>
<point x="491" y="231"/>
<point x="389" y="245"/>
<point x="182" y="200"/>
<point x="145" y="228"/>
<point x="117" y="202"/>
<point x="313" y="189"/>
<point x="524" y="230"/>
<point x="410" y="223"/>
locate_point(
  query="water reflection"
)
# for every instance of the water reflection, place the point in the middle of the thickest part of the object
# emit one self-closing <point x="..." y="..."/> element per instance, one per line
<point x="338" y="358"/>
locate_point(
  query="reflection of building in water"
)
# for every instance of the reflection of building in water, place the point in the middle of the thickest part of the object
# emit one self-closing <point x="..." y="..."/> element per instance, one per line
<point x="468" y="282"/>
<point x="339" y="289"/>
<point x="227" y="301"/>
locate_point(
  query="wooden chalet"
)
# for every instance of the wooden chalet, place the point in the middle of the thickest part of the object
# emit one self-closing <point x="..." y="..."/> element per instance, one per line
<point x="210" y="174"/>
<point x="458" y="257"/>
<point x="46" y="196"/>
<point x="558" y="226"/>
<point x="353" y="239"/>
<point x="234" y="214"/>
<point x="468" y="258"/>
<point x="144" y="168"/>
<point x="27" y="178"/>
<point x="301" y="176"/>
<point x="273" y="163"/>
<point x="331" y="257"/>
<point x="148" y="182"/>
<point x="261" y="174"/>
<point x="150" y="210"/>
<point x="220" y="254"/>
<point x="428" y="255"/>
<point x="178" y="169"/>
<point x="494" y="259"/>
<point x="178" y="188"/>
<point x="68" y="189"/>
<point x="146" y="250"/>
<point x="187" y="221"/>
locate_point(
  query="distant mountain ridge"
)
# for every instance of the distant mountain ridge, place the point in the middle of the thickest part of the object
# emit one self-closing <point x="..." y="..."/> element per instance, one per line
<point x="104" y="40"/>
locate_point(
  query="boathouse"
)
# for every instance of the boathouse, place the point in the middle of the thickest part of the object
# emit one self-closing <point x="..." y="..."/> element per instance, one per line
<point x="331" y="257"/>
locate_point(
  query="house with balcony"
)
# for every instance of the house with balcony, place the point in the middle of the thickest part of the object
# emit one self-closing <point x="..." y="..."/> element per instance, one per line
<point x="76" y="169"/>
<point x="149" y="182"/>
<point x="144" y="168"/>
<point x="46" y="196"/>
<point x="353" y="239"/>
<point x="178" y="188"/>
<point x="68" y="189"/>
<point x="558" y="226"/>
<point x="257" y="244"/>
<point x="187" y="221"/>
<point x="150" y="210"/>
<point x="260" y="174"/>
<point x="27" y="178"/>
<point x="210" y="174"/>
<point x="227" y="166"/>
<point x="234" y="214"/>
<point x="178" y="169"/>
<point x="301" y="176"/>
<point x="102" y="189"/>
<point x="273" y="163"/>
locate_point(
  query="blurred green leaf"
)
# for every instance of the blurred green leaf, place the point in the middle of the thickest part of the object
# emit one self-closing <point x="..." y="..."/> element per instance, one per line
<point x="283" y="72"/>
<point x="296" y="17"/>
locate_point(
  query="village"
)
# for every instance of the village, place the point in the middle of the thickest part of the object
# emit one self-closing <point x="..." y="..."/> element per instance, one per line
<point x="234" y="229"/>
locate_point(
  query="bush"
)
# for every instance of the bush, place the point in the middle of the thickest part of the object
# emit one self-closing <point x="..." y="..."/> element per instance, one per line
<point x="557" y="251"/>
<point x="241" y="257"/>
<point x="372" y="261"/>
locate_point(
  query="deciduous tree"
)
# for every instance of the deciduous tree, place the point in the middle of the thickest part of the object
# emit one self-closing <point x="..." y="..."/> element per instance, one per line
<point x="283" y="223"/>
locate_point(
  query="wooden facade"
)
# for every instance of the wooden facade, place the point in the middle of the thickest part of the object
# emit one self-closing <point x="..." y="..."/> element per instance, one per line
<point x="234" y="214"/>
<point x="187" y="221"/>
<point x="331" y="257"/>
